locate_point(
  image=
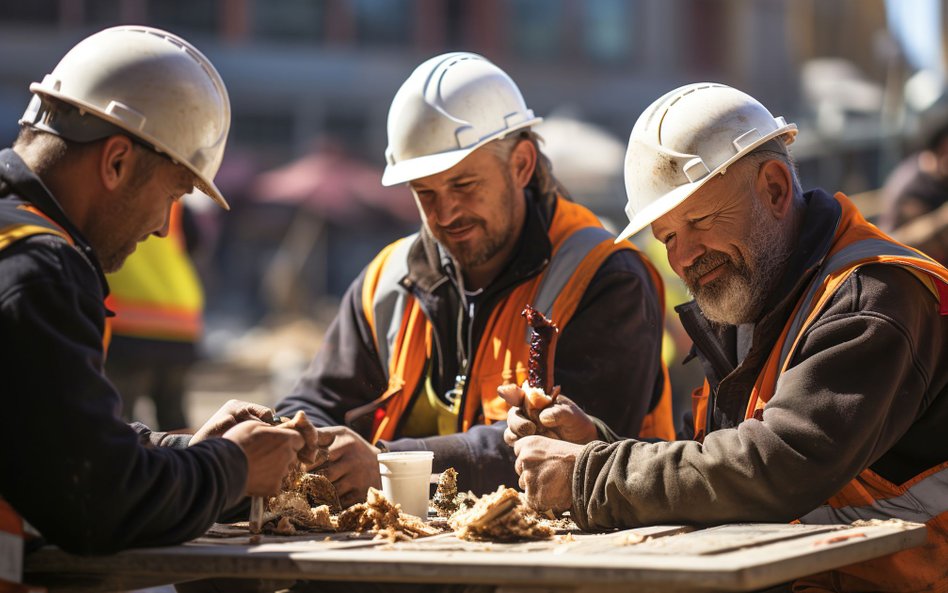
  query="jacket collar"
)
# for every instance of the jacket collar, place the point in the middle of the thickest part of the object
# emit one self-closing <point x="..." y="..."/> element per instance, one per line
<point x="429" y="264"/>
<point x="25" y="184"/>
<point x="714" y="344"/>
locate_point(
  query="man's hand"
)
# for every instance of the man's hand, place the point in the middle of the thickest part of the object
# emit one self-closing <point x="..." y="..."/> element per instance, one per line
<point x="353" y="464"/>
<point x="231" y="414"/>
<point x="564" y="420"/>
<point x="271" y="454"/>
<point x="546" y="472"/>
<point x="316" y="450"/>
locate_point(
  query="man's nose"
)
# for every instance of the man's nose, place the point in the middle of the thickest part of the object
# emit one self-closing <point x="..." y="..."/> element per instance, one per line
<point x="688" y="249"/>
<point x="446" y="207"/>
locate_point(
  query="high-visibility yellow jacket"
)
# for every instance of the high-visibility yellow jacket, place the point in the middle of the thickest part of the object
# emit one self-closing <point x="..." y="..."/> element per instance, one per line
<point x="157" y="294"/>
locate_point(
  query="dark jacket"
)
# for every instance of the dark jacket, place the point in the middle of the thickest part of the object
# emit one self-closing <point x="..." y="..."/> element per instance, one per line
<point x="69" y="466"/>
<point x="868" y="387"/>
<point x="607" y="358"/>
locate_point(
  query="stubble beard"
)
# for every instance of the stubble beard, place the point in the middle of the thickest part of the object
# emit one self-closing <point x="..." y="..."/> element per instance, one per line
<point x="474" y="254"/>
<point x="739" y="296"/>
<point x="110" y="253"/>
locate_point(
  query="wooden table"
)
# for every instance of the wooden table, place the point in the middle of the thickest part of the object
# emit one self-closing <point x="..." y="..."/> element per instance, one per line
<point x="739" y="557"/>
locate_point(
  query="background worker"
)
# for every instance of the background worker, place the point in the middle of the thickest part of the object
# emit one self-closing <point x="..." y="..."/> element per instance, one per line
<point x="824" y="343"/>
<point x="915" y="195"/>
<point x="131" y="119"/>
<point x="433" y="325"/>
<point x="158" y="303"/>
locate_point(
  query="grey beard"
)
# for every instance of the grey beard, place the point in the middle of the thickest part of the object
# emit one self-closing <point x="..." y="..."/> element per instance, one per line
<point x="741" y="296"/>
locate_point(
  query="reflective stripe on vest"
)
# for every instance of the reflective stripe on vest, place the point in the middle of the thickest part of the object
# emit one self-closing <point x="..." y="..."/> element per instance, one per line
<point x="920" y="503"/>
<point x="389" y="303"/>
<point x="13" y="233"/>
<point x="580" y="246"/>
<point x="563" y="265"/>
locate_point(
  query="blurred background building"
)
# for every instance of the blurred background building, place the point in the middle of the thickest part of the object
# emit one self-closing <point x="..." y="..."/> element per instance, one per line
<point x="311" y="80"/>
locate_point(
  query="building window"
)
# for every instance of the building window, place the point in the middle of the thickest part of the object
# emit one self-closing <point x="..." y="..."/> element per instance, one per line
<point x="289" y="20"/>
<point x="538" y="30"/>
<point x="184" y="15"/>
<point x="103" y="12"/>
<point x="384" y="22"/>
<point x="29" y="11"/>
<point x="347" y="126"/>
<point x="270" y="131"/>
<point x="607" y="30"/>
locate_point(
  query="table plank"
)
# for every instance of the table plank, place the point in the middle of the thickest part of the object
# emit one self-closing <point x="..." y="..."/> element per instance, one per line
<point x="669" y="558"/>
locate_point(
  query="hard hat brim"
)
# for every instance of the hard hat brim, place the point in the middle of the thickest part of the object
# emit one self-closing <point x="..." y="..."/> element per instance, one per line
<point x="656" y="210"/>
<point x="433" y="164"/>
<point x="424" y="166"/>
<point x="211" y="191"/>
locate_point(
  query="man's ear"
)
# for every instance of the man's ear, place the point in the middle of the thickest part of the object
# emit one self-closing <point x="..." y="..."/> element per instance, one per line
<point x="115" y="161"/>
<point x="775" y="188"/>
<point x="523" y="161"/>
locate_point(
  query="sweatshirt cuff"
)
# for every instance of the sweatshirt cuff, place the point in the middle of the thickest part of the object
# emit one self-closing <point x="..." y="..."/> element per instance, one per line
<point x="233" y="469"/>
<point x="578" y="512"/>
<point x="147" y="436"/>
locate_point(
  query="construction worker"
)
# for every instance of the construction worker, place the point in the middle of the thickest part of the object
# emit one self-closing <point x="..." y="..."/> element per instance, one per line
<point x="431" y="328"/>
<point x="824" y="344"/>
<point x="131" y="119"/>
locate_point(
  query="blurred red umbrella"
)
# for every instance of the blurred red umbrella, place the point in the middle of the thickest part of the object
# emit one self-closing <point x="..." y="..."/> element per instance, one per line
<point x="336" y="187"/>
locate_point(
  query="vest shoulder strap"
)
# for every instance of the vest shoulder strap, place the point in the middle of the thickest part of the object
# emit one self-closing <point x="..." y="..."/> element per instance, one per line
<point x="18" y="222"/>
<point x="384" y="298"/>
<point x="564" y="262"/>
<point x="846" y="261"/>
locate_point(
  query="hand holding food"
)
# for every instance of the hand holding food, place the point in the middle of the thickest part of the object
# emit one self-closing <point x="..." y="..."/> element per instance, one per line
<point x="532" y="409"/>
<point x="228" y="416"/>
<point x="316" y="450"/>
<point x="352" y="464"/>
<point x="564" y="420"/>
<point x="271" y="454"/>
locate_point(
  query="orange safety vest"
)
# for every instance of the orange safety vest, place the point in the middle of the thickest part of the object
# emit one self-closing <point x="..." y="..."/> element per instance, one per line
<point x="157" y="293"/>
<point x="923" y="498"/>
<point x="403" y="334"/>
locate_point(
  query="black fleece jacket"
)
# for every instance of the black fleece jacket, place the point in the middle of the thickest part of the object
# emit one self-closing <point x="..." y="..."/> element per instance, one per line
<point x="607" y="357"/>
<point x="71" y="468"/>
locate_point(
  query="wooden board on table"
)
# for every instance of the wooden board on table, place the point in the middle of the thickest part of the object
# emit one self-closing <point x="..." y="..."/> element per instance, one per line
<point x="727" y="558"/>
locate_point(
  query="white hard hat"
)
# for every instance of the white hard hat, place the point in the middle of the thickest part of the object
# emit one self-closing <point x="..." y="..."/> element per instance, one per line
<point x="142" y="81"/>
<point x="449" y="107"/>
<point x="686" y="138"/>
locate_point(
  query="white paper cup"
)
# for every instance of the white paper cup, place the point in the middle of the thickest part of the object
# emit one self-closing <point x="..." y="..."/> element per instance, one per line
<point x="405" y="479"/>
